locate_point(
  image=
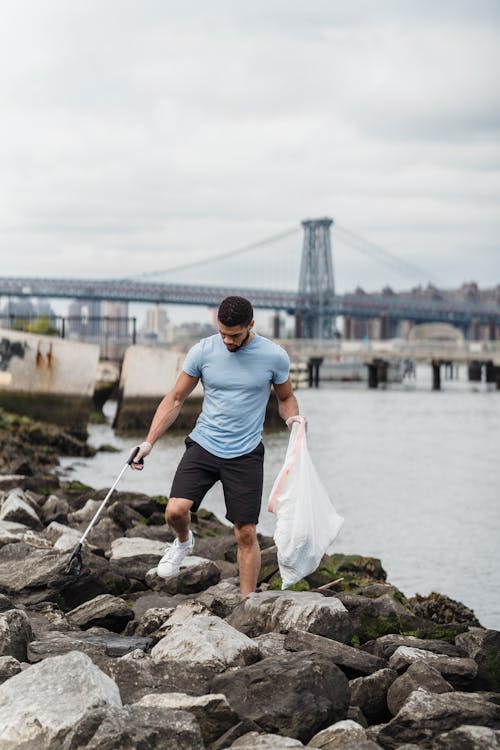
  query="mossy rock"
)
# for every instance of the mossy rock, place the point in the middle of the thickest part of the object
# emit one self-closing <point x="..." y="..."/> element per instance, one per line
<point x="276" y="582"/>
<point x="356" y="570"/>
<point x="443" y="610"/>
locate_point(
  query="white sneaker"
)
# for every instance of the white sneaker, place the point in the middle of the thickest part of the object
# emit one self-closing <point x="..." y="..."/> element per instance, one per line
<point x="171" y="561"/>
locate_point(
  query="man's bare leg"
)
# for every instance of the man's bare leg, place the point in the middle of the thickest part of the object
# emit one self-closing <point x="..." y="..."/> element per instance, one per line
<point x="178" y="517"/>
<point x="248" y="556"/>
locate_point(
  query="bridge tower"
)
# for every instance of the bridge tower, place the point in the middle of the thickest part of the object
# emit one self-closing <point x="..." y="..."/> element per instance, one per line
<point x="316" y="281"/>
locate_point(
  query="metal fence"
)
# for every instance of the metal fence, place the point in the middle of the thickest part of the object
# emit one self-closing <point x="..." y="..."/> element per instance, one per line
<point x="113" y="334"/>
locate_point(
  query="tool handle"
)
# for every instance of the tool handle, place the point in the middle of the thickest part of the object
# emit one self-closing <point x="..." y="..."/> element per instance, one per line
<point x="133" y="455"/>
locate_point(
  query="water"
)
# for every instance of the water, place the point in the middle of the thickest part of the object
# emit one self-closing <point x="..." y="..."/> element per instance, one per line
<point x="415" y="473"/>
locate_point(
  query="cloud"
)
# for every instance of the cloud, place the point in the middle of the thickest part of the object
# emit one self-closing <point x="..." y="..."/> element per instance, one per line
<point x="141" y="135"/>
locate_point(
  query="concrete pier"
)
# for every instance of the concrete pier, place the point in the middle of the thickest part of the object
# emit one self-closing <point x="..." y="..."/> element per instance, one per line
<point x="48" y="378"/>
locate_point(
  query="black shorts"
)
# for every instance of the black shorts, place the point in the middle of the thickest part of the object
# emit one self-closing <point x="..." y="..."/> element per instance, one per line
<point x="241" y="479"/>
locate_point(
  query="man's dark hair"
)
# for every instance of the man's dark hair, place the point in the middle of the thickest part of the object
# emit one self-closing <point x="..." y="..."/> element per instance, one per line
<point x="235" y="311"/>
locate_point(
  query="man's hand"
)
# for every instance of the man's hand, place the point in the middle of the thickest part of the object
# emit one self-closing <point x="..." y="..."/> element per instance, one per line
<point x="144" y="450"/>
<point x="296" y="418"/>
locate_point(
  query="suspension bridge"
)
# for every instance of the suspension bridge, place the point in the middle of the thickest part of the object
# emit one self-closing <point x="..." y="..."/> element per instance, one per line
<point x="314" y="303"/>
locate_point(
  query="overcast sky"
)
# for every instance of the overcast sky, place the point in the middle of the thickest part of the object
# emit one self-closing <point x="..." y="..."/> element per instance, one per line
<point x="138" y="135"/>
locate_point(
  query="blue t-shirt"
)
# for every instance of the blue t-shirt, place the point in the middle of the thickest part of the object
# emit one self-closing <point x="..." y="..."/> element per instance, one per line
<point x="236" y="391"/>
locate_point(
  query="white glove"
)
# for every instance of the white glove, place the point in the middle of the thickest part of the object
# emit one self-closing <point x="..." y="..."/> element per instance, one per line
<point x="296" y="418"/>
<point x="138" y="461"/>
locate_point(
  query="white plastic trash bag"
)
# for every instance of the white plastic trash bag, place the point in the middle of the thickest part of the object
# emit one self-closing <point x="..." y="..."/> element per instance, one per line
<point x="306" y="521"/>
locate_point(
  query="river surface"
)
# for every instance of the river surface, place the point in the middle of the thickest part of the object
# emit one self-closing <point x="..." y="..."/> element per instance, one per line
<point x="414" y="473"/>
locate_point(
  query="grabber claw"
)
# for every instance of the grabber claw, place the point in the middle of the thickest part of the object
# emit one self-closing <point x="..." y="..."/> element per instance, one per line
<point x="75" y="561"/>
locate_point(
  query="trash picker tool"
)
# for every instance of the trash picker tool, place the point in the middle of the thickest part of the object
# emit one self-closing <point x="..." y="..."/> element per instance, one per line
<point x="75" y="561"/>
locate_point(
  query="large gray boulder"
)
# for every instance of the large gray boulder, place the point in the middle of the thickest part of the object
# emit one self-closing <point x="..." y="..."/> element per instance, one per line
<point x="458" y="671"/>
<point x="420" y="674"/>
<point x="374" y="617"/>
<point x="137" y="675"/>
<point x="386" y="645"/>
<point x="105" y="611"/>
<point x="15" y="634"/>
<point x="294" y="695"/>
<point x="370" y="694"/>
<point x="204" y="640"/>
<point x="222" y="598"/>
<point x="31" y="576"/>
<point x="425" y="715"/>
<point x="135" y="556"/>
<point x="351" y="660"/>
<point x="196" y="574"/>
<point x="40" y="706"/>
<point x="134" y="727"/>
<point x="281" y="611"/>
<point x="212" y="712"/>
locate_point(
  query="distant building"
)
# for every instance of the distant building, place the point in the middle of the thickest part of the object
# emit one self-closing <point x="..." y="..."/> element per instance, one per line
<point x="157" y="327"/>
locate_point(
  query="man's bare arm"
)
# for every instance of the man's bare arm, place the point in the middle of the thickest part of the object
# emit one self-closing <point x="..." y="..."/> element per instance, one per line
<point x="169" y="407"/>
<point x="165" y="415"/>
<point x="287" y="403"/>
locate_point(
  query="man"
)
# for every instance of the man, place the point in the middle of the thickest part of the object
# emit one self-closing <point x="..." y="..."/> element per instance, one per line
<point x="237" y="368"/>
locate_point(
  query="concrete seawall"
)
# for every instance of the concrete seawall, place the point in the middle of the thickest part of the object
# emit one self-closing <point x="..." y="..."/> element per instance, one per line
<point x="48" y="378"/>
<point x="148" y="373"/>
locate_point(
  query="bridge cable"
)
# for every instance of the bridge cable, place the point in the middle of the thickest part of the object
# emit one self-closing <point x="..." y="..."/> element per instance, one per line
<point x="226" y="254"/>
<point x="384" y="256"/>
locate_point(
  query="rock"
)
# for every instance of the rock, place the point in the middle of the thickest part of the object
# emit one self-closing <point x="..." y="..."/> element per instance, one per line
<point x="420" y="674"/>
<point x="131" y="727"/>
<point x="152" y="620"/>
<point x="263" y="741"/>
<point x="354" y="569"/>
<point x="5" y="603"/>
<point x="205" y="640"/>
<point x="116" y="645"/>
<point x="235" y="732"/>
<point x="271" y="644"/>
<point x="468" y="738"/>
<point x="374" y="617"/>
<point x="55" y="509"/>
<point x="39" y="706"/>
<point x="386" y="645"/>
<point x="458" y="671"/>
<point x="85" y="514"/>
<point x="8" y="667"/>
<point x="338" y="735"/>
<point x="212" y="712"/>
<point x="351" y="660"/>
<point x="124" y="515"/>
<point x="31" y="576"/>
<point x="15" y="507"/>
<point x="63" y="538"/>
<point x="135" y="556"/>
<point x="222" y="598"/>
<point x="282" y="611"/>
<point x="294" y="695"/>
<point x="15" y="634"/>
<point x="196" y="574"/>
<point x="425" y="715"/>
<point x="136" y="674"/>
<point x="104" y="611"/>
<point x="54" y="644"/>
<point x="370" y="694"/>
<point x="484" y="647"/>
<point x="441" y="609"/>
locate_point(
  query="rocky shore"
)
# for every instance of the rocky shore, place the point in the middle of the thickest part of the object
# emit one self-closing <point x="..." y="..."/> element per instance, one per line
<point x="116" y="658"/>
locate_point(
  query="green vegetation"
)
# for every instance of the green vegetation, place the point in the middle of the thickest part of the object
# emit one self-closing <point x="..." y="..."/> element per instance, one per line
<point x="41" y="325"/>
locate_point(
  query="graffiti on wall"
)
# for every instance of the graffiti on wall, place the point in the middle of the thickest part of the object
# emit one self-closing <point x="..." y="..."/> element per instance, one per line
<point x="8" y="350"/>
